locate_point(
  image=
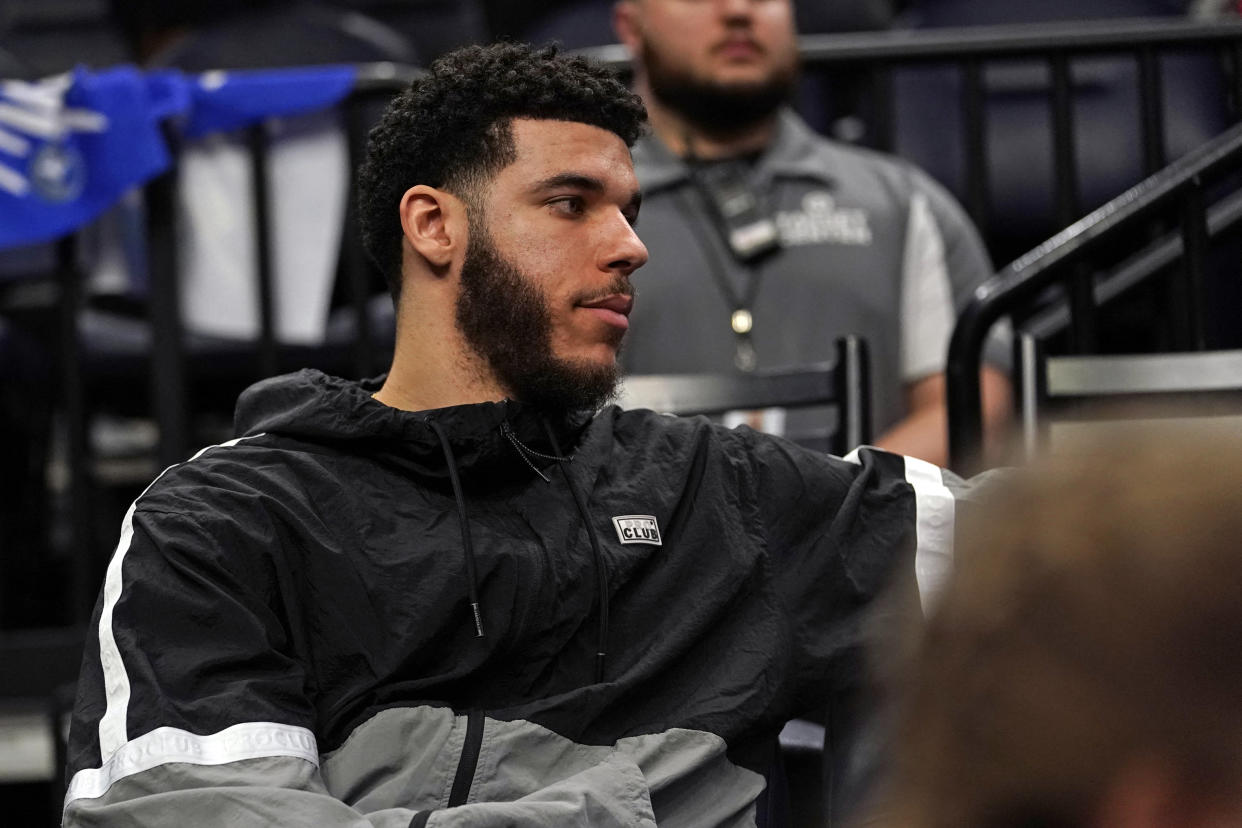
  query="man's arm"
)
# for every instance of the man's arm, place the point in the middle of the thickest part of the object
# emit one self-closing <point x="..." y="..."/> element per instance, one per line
<point x="944" y="262"/>
<point x="924" y="432"/>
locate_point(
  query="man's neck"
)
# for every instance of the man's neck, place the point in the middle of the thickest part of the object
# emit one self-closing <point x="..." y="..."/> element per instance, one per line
<point x="429" y="372"/>
<point x="685" y="137"/>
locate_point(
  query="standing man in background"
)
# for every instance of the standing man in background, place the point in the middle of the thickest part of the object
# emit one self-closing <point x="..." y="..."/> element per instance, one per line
<point x="769" y="240"/>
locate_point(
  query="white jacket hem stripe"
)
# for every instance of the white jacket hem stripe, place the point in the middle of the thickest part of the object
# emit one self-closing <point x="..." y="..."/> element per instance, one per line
<point x="166" y="745"/>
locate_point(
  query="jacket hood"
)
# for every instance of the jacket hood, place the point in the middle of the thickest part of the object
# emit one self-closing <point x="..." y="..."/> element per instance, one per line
<point x="311" y="406"/>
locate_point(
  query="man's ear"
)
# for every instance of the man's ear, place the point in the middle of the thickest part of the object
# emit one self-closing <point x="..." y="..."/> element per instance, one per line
<point x="432" y="220"/>
<point x="627" y="24"/>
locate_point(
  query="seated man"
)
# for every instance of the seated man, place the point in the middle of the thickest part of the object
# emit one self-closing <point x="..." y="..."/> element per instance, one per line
<point x="1082" y="667"/>
<point x="769" y="241"/>
<point x="467" y="594"/>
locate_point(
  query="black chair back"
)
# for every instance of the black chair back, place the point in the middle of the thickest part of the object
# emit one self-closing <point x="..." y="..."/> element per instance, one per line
<point x="843" y="384"/>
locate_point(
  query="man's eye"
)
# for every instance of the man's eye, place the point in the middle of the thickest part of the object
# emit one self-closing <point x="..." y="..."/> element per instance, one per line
<point x="569" y="205"/>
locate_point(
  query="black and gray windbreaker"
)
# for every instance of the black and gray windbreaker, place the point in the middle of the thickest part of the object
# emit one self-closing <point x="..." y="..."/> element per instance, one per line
<point x="288" y="633"/>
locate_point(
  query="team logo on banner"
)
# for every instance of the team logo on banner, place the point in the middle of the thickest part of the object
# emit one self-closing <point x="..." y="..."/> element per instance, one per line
<point x="637" y="529"/>
<point x="58" y="172"/>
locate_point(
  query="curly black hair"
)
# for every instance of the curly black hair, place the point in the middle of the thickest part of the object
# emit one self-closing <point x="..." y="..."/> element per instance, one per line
<point x="452" y="129"/>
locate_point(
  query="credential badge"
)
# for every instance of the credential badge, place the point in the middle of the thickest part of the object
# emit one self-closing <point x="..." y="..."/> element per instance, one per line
<point x="637" y="529"/>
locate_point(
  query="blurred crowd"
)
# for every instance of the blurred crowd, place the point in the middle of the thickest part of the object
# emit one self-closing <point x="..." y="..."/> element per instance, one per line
<point x="1078" y="669"/>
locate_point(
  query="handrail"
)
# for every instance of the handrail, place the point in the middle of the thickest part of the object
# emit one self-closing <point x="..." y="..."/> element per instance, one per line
<point x="1049" y="262"/>
<point x="1012" y="41"/>
<point x="1050" y="321"/>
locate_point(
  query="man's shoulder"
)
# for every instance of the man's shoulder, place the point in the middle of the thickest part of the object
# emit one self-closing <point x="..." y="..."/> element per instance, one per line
<point x="232" y="472"/>
<point x="655" y="164"/>
<point x="798" y="151"/>
<point x="644" y="427"/>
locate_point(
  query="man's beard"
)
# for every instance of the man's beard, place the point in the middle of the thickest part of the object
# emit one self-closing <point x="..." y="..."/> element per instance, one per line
<point x="505" y="319"/>
<point x="717" y="108"/>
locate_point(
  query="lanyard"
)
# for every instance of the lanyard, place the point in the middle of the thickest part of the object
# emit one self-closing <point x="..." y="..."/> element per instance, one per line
<point x="741" y="319"/>
<point x="747" y="230"/>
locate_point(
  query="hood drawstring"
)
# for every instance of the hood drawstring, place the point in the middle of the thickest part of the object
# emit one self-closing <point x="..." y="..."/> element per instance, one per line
<point x="601" y="574"/>
<point x="526" y="453"/>
<point x="464" y="519"/>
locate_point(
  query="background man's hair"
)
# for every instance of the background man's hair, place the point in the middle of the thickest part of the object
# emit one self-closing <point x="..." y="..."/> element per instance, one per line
<point x="1093" y="620"/>
<point x="452" y="128"/>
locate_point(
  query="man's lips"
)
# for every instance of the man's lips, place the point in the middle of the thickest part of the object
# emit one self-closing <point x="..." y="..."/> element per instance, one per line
<point x="613" y="309"/>
<point x="616" y="302"/>
<point x="738" y="47"/>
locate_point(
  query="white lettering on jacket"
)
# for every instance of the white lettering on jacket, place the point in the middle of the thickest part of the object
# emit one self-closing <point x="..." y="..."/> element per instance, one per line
<point x="637" y="529"/>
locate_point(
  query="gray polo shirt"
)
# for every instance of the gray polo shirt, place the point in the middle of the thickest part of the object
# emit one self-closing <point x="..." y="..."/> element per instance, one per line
<point x="870" y="245"/>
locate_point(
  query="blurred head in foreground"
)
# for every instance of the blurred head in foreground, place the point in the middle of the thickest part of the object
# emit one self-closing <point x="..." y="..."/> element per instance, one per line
<point x="1084" y="666"/>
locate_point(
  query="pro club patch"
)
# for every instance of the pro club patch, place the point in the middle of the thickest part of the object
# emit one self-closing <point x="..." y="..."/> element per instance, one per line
<point x="637" y="529"/>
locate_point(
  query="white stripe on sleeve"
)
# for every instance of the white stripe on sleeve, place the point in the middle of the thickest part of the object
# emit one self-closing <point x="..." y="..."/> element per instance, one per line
<point x="113" y="724"/>
<point x="934" y="513"/>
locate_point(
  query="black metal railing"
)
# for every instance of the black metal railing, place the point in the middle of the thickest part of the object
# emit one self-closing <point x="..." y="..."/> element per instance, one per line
<point x="876" y="56"/>
<point x="1182" y="196"/>
<point x="1061" y="48"/>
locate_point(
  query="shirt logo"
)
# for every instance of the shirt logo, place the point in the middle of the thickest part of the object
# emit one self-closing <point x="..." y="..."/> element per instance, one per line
<point x="637" y="529"/>
<point x="822" y="221"/>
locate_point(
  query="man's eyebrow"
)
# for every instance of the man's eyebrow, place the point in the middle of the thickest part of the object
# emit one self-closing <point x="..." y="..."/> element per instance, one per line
<point x="582" y="181"/>
<point x="577" y="181"/>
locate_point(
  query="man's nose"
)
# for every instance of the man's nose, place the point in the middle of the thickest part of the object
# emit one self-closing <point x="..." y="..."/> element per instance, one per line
<point x="736" y="9"/>
<point x="626" y="251"/>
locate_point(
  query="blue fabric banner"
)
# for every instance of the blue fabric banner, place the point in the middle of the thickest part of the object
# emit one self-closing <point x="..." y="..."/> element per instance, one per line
<point x="71" y="145"/>
<point x="224" y="101"/>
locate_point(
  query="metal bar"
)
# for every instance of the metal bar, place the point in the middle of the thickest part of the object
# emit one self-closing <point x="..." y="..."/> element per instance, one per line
<point x="1233" y="56"/>
<point x="1113" y="36"/>
<point x="853" y="395"/>
<point x="1195" y="235"/>
<point x="1146" y="374"/>
<point x="1027" y="366"/>
<point x="1080" y="290"/>
<point x="883" y="106"/>
<point x="1064" y="156"/>
<point x="77" y="425"/>
<point x="1151" y="108"/>
<point x="962" y="397"/>
<point x="975" y="147"/>
<point x="1016" y="40"/>
<point x="256" y="142"/>
<point x="354" y="261"/>
<point x="168" y="366"/>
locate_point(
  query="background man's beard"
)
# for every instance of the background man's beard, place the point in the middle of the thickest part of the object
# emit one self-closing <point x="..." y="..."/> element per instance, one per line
<point x="717" y="107"/>
<point x="505" y="319"/>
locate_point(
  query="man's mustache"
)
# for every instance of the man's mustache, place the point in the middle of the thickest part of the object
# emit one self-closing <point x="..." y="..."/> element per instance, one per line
<point x="620" y="285"/>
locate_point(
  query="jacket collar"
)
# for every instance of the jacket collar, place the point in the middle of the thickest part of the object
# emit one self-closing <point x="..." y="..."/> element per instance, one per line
<point x="313" y="406"/>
